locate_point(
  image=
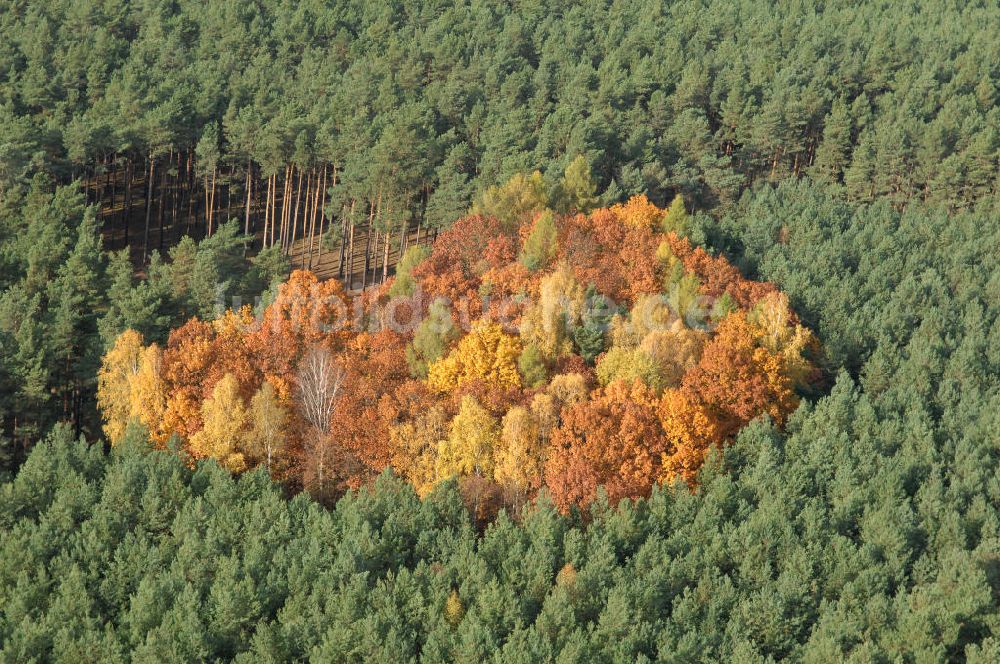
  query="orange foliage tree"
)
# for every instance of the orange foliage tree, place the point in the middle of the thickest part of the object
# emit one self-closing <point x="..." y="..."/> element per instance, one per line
<point x="188" y="367"/>
<point x="738" y="379"/>
<point x="369" y="404"/>
<point x="238" y="350"/>
<point x="455" y="268"/>
<point x="613" y="439"/>
<point x="743" y="373"/>
<point x="691" y="428"/>
<point x="619" y="260"/>
<point x="306" y="312"/>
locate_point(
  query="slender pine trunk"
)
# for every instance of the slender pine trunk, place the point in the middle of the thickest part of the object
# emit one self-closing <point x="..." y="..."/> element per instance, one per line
<point x="149" y="208"/>
<point x="285" y="208"/>
<point x="295" y="213"/>
<point x="322" y="212"/>
<point x="110" y="218"/>
<point x="189" y="187"/>
<point x="246" y="217"/>
<point x="274" y="206"/>
<point x="267" y="211"/>
<point x="312" y="217"/>
<point x="378" y="215"/>
<point x="160" y="202"/>
<point x="350" y="258"/>
<point x="385" y="257"/>
<point x="368" y="245"/>
<point x="173" y="197"/>
<point x="343" y="247"/>
<point x="129" y="173"/>
<point x="103" y="209"/>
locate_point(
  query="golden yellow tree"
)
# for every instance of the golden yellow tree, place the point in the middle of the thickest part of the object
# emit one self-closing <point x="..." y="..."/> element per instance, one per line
<point x="487" y="353"/>
<point x="415" y="446"/>
<point x="471" y="443"/>
<point x="147" y="394"/>
<point x="454" y="611"/>
<point x="269" y="419"/>
<point x="638" y="212"/>
<point x="113" y="383"/>
<point x="519" y="457"/>
<point x="224" y="429"/>
<point x="649" y="313"/>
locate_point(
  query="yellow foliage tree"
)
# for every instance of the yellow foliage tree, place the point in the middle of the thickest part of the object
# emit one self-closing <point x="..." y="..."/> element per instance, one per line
<point x="454" y="611"/>
<point x="545" y="411"/>
<point x="224" y="430"/>
<point x="622" y="333"/>
<point x="147" y="394"/>
<point x="651" y="313"/>
<point x="415" y="447"/>
<point x="653" y="345"/>
<point x="638" y="212"/>
<point x="629" y="365"/>
<point x="683" y="290"/>
<point x="487" y="353"/>
<point x="666" y="256"/>
<point x="118" y="365"/>
<point x="471" y="443"/>
<point x="519" y="459"/>
<point x="780" y="333"/>
<point x="674" y="351"/>
<point x="547" y="323"/>
<point x="568" y="388"/>
<point x="269" y="418"/>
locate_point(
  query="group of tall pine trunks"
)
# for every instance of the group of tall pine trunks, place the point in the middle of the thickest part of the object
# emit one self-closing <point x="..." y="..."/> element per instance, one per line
<point x="150" y="204"/>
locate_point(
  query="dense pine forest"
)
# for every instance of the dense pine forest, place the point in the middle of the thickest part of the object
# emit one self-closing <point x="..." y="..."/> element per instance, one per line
<point x="533" y="331"/>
